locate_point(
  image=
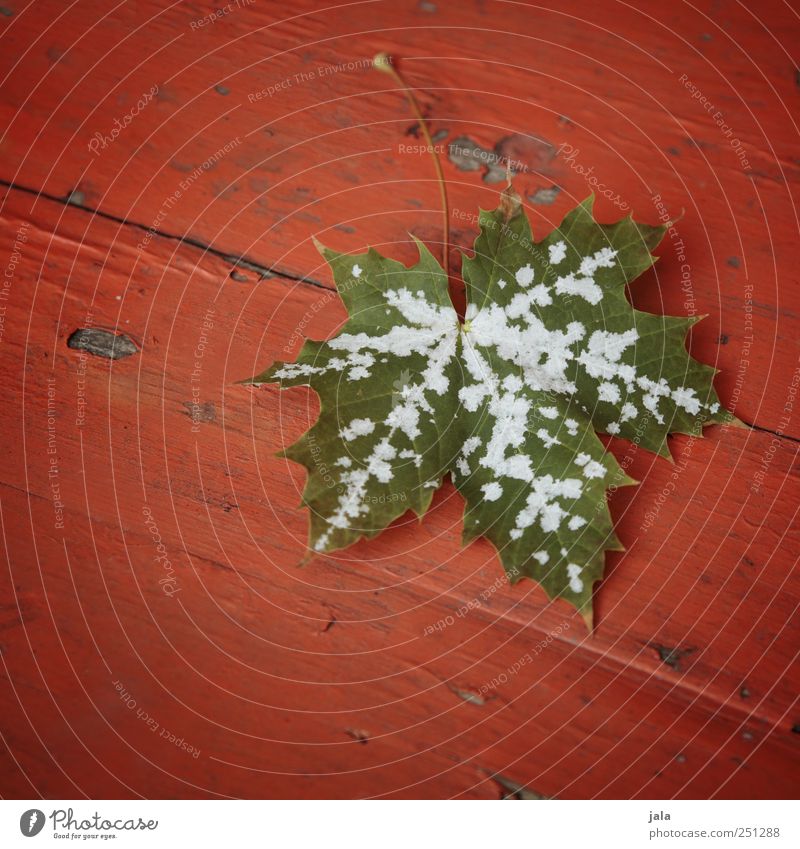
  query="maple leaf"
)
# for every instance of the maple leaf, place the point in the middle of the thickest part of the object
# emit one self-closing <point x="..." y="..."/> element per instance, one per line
<point x="509" y="403"/>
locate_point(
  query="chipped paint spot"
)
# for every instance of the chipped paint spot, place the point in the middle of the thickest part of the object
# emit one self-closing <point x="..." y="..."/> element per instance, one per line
<point x="358" y="734"/>
<point x="205" y="412"/>
<point x="102" y="343"/>
<point x="55" y="54"/>
<point x="519" y="153"/>
<point x="672" y="656"/>
<point x="526" y="153"/>
<point x="468" y="696"/>
<point x="76" y="197"/>
<point x="465" y="154"/>
<point x="544" y="197"/>
<point x="511" y="789"/>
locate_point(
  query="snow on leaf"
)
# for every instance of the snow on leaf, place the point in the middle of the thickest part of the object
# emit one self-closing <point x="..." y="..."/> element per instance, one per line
<point x="509" y="402"/>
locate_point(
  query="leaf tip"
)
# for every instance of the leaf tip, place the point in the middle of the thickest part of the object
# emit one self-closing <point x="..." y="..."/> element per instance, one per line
<point x="733" y="421"/>
<point x="422" y="249"/>
<point x="306" y="558"/>
<point x="614" y="543"/>
<point x="319" y="246"/>
<point x="673" y="221"/>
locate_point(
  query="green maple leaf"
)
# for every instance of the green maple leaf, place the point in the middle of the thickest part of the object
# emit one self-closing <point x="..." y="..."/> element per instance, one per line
<point x="509" y="403"/>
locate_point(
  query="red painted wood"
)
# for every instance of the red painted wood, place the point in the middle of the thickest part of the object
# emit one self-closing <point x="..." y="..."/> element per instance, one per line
<point x="274" y="671"/>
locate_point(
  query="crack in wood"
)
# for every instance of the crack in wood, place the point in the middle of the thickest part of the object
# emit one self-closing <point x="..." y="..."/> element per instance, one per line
<point x="239" y="261"/>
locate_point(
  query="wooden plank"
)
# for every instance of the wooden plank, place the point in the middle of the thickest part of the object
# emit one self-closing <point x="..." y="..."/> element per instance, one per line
<point x="274" y="147"/>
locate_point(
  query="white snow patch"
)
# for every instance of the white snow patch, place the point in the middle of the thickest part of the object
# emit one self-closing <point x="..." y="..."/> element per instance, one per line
<point x="686" y="397"/>
<point x="407" y="454"/>
<point x="540" y="296"/>
<point x="557" y="252"/>
<point x="608" y="392"/>
<point x="591" y="468"/>
<point x="357" y="427"/>
<point x="583" y="287"/>
<point x="542" y="502"/>
<point x="650" y="402"/>
<point x="548" y="440"/>
<point x="574" y="574"/>
<point x="292" y="370"/>
<point x="541" y="354"/>
<point x="492" y="491"/>
<point x="601" y="357"/>
<point x="604" y="258"/>
<point x="470" y="444"/>
<point x="525" y="276"/>
<point x="378" y="462"/>
<point x="405" y="417"/>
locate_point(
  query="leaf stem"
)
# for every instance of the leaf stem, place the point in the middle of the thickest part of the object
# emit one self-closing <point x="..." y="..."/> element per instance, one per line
<point x="383" y="62"/>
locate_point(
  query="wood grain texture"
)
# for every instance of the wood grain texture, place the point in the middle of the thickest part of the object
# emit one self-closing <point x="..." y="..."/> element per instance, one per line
<point x="405" y="666"/>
